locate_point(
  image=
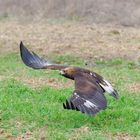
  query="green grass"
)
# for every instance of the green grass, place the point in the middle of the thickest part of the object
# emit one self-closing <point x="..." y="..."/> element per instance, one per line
<point x="23" y="109"/>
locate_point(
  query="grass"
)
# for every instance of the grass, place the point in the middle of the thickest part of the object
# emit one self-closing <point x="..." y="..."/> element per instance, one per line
<point x="38" y="113"/>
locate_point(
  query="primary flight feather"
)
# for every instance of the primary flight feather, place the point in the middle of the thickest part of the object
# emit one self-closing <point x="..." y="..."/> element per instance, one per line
<point x="88" y="96"/>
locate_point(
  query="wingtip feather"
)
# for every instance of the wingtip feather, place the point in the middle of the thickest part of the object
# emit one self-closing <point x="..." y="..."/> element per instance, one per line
<point x="115" y="94"/>
<point x="21" y="43"/>
<point x="31" y="59"/>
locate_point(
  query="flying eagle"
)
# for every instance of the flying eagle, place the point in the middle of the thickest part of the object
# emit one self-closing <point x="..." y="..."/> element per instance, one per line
<point x="88" y="96"/>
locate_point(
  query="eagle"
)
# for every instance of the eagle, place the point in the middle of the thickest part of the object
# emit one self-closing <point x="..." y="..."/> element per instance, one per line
<point x="88" y="96"/>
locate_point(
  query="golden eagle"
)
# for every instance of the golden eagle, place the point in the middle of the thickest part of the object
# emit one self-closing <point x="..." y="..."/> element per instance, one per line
<point x="88" y="96"/>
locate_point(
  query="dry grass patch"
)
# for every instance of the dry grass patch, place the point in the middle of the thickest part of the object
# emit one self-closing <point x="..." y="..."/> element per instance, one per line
<point x="26" y="136"/>
<point x="123" y="136"/>
<point x="2" y="77"/>
<point x="119" y="136"/>
<point x="88" y="41"/>
<point x="133" y="87"/>
<point x="39" y="82"/>
<point x="5" y="135"/>
<point x="42" y="133"/>
<point x="80" y="132"/>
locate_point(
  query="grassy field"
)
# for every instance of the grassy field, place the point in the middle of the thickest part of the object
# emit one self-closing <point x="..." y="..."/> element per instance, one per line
<point x="31" y="100"/>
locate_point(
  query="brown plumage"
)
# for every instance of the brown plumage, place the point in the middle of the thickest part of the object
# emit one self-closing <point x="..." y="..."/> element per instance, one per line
<point x="88" y="96"/>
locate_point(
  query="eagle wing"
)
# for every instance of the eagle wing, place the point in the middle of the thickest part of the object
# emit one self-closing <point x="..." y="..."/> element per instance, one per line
<point x="34" y="61"/>
<point x="87" y="97"/>
<point x="105" y="85"/>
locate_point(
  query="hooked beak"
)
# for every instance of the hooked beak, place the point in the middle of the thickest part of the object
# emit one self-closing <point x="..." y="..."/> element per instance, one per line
<point x="62" y="72"/>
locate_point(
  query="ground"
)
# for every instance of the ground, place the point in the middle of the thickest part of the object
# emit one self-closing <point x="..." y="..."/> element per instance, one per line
<point x="31" y="101"/>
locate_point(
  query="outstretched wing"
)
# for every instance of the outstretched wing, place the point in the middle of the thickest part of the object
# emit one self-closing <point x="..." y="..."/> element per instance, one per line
<point x="34" y="61"/>
<point x="88" y="96"/>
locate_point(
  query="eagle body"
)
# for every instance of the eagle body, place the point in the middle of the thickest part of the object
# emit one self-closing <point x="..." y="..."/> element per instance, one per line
<point x="88" y="96"/>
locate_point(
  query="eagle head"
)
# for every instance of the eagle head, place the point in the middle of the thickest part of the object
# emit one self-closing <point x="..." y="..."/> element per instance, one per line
<point x="69" y="72"/>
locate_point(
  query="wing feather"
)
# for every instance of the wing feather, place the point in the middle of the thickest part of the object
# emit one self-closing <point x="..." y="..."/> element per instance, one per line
<point x="105" y="85"/>
<point x="34" y="61"/>
<point x="89" y="98"/>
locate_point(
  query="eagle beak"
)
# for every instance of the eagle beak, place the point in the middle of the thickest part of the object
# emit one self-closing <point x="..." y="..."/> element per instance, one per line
<point x="62" y="72"/>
